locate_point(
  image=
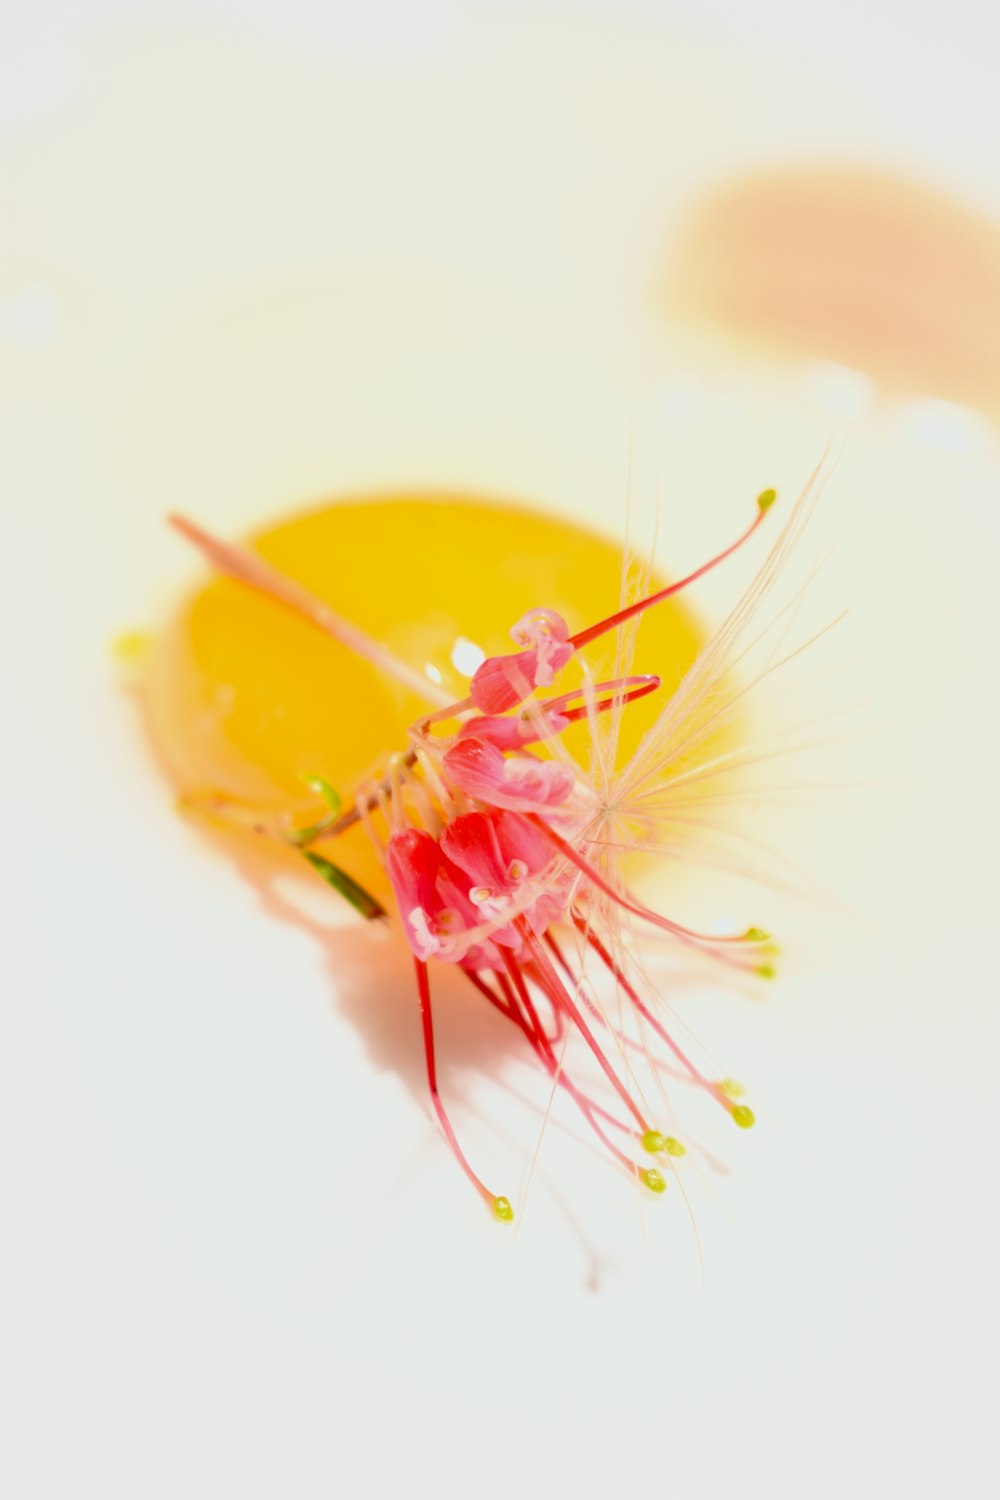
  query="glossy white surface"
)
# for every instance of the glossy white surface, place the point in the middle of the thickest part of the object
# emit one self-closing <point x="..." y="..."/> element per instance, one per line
<point x="252" y="260"/>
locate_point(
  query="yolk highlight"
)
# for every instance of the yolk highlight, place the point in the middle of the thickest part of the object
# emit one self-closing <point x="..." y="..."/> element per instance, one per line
<point x="243" y="697"/>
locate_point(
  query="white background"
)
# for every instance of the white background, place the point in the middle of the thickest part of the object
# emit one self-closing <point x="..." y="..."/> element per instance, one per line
<point x="255" y="256"/>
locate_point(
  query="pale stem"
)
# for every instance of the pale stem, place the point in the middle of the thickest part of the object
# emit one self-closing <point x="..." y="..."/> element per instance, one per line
<point x="249" y="568"/>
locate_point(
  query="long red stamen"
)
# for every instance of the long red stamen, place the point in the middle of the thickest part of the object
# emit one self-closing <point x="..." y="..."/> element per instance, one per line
<point x="499" y="1206"/>
<point x="619" y="1035"/>
<point x="552" y="943"/>
<point x="636" y="687"/>
<point x="630" y="903"/>
<point x="500" y="1002"/>
<point x="591" y="937"/>
<point x="719" y="1091"/>
<point x="593" y="632"/>
<point x="518" y="988"/>
<point x="583" y="637"/>
<point x="546" y="719"/>
<point x="560" y="996"/>
<point x="588" y="1107"/>
<point x="504" y="984"/>
<point x="532" y="1027"/>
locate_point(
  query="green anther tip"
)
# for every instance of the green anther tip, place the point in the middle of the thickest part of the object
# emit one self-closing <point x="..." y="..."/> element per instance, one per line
<point x="766" y="499"/>
<point x="675" y="1147"/>
<point x="756" y="935"/>
<point x="653" y="1142"/>
<point x="322" y="788"/>
<point x="653" y="1180"/>
<point x="732" y="1088"/>
<point x="502" y="1209"/>
<point x="765" y="971"/>
<point x="743" y="1115"/>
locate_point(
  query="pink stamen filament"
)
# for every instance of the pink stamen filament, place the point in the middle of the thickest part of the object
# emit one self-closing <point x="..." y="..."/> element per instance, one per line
<point x="424" y="992"/>
<point x="626" y="1041"/>
<point x="593" y="632"/>
<point x="595" y="1010"/>
<point x="629" y="903"/>
<point x="503" y="983"/>
<point x="504" y="1004"/>
<point x="582" y="638"/>
<point x="591" y="937"/>
<point x="449" y="711"/>
<point x="643" y="685"/>
<point x="249" y="568"/>
<point x="588" y="1107"/>
<point x="638" y="686"/>
<point x="559" y="995"/>
<point x="536" y="1034"/>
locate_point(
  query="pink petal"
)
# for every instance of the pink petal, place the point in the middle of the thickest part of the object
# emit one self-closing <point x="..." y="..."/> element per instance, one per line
<point x="518" y="781"/>
<point x="503" y="681"/>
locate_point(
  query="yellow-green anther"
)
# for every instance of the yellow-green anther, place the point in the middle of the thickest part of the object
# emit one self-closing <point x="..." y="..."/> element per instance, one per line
<point x="732" y="1088"/>
<point x="675" y="1147"/>
<point x="322" y="788"/>
<point x="653" y="1142"/>
<point x="743" y="1115"/>
<point x="766" y="499"/>
<point x="653" y="1180"/>
<point x="756" y="935"/>
<point x="766" y="971"/>
<point x="502" y="1209"/>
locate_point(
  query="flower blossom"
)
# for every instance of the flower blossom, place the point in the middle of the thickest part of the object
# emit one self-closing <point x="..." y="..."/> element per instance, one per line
<point x="502" y="682"/>
<point x="519" y="782"/>
<point x="495" y="862"/>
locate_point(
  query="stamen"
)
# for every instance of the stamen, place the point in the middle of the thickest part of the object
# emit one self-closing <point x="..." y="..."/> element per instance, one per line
<point x="498" y="1001"/>
<point x="366" y="802"/>
<point x="249" y="568"/>
<point x="559" y="995"/>
<point x="643" y="1008"/>
<point x="500" y="1207"/>
<point x="543" y="1047"/>
<point x="636" y="907"/>
<point x="318" y="784"/>
<point x="635" y="687"/>
<point x="742" y="1114"/>
<point x="653" y="1141"/>
<point x="765" y="500"/>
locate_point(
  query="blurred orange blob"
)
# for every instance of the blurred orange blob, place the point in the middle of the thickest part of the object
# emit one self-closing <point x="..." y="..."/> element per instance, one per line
<point x="853" y="265"/>
<point x="244" y="697"/>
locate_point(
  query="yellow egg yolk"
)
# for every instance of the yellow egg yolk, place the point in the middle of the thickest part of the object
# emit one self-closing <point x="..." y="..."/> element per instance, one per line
<point x="244" y="697"/>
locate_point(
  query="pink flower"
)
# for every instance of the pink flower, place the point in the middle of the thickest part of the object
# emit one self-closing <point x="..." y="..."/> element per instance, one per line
<point x="437" y="904"/>
<point x="500" y="891"/>
<point x="504" y="681"/>
<point x="498" y="852"/>
<point x="513" y="731"/>
<point x="519" y="782"/>
<point x="413" y="864"/>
